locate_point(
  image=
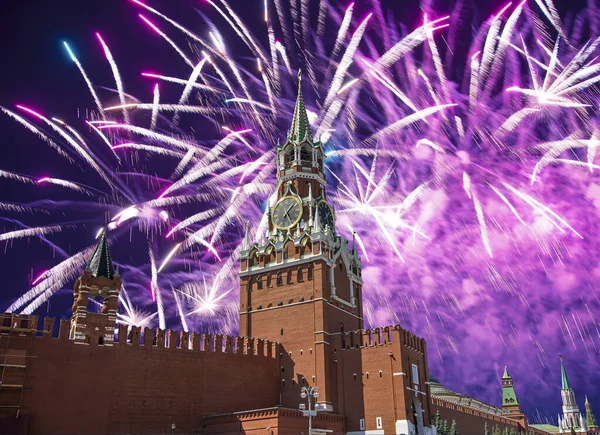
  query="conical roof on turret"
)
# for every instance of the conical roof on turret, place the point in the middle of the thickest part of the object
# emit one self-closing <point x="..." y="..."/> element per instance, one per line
<point x="101" y="263"/>
<point x="509" y="397"/>
<point x="563" y="374"/>
<point x="300" y="129"/>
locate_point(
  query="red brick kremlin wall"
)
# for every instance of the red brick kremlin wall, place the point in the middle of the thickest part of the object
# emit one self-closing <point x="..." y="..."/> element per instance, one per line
<point x="132" y="387"/>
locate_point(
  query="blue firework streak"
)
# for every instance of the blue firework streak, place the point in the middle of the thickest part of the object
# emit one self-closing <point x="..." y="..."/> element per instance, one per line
<point x="467" y="170"/>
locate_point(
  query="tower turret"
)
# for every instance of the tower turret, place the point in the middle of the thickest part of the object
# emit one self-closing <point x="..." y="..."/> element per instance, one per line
<point x="98" y="280"/>
<point x="572" y="418"/>
<point x="510" y="402"/>
<point x="302" y="287"/>
<point x="589" y="416"/>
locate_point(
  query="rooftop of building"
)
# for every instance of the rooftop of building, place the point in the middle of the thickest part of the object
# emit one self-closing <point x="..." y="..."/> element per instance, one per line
<point x="546" y="427"/>
<point x="441" y="392"/>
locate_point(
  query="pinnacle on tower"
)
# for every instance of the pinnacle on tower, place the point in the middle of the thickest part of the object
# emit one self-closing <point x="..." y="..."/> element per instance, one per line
<point x="101" y="264"/>
<point x="505" y="375"/>
<point x="564" y="378"/>
<point x="300" y="129"/>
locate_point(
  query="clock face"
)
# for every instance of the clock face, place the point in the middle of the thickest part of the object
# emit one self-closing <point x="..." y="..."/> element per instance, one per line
<point x="287" y="212"/>
<point x="325" y="215"/>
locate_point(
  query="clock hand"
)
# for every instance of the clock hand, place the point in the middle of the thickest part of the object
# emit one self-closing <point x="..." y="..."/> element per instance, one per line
<point x="287" y="212"/>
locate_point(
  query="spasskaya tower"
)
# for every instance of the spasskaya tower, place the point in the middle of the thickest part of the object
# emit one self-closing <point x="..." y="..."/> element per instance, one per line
<point x="301" y="282"/>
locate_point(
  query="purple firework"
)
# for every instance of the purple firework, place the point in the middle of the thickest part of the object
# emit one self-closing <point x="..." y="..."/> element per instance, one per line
<point x="467" y="172"/>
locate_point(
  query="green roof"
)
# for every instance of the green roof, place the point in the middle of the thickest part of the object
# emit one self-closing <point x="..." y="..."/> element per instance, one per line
<point x="563" y="374"/>
<point x="509" y="397"/>
<point x="101" y="264"/>
<point x="545" y="427"/>
<point x="300" y="130"/>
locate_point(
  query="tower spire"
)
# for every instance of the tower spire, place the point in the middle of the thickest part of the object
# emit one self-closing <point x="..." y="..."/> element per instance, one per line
<point x="300" y="129"/>
<point x="101" y="263"/>
<point x="563" y="374"/>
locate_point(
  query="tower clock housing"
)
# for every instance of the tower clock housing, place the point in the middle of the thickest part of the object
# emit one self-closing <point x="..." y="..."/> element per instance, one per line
<point x="301" y="282"/>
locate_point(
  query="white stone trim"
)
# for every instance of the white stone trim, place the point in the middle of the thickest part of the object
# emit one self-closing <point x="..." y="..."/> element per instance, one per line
<point x="337" y="298"/>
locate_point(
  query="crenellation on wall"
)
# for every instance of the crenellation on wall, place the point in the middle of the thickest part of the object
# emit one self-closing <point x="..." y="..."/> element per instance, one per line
<point x="218" y="343"/>
<point x="136" y="333"/>
<point x="207" y="342"/>
<point x="64" y="329"/>
<point x="184" y="340"/>
<point x="160" y="338"/>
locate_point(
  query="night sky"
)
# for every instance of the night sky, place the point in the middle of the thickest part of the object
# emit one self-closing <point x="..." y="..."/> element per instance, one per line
<point x="37" y="72"/>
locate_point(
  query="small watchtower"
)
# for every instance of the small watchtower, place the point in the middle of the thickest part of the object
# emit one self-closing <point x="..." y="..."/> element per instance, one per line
<point x="98" y="280"/>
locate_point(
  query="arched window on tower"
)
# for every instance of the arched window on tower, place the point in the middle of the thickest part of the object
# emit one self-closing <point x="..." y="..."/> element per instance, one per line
<point x="290" y="155"/>
<point x="343" y="335"/>
<point x="279" y="279"/>
<point x="304" y="154"/>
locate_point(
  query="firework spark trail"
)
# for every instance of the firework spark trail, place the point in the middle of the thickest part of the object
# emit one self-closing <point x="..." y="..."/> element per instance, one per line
<point x="402" y="123"/>
<point x="159" y="137"/>
<point x="150" y="148"/>
<point x="73" y="132"/>
<point x="133" y="316"/>
<point x="166" y="38"/>
<point x="55" y="279"/>
<point x="321" y="19"/>
<point x="437" y="62"/>
<point x="29" y="126"/>
<point x="347" y="58"/>
<point x="185" y="108"/>
<point x="71" y="142"/>
<point x="198" y="217"/>
<point x="183" y="82"/>
<point x="155" y="104"/>
<point x="274" y="60"/>
<point x="482" y="224"/>
<point x="175" y="24"/>
<point x="155" y="288"/>
<point x="189" y="86"/>
<point x="87" y="80"/>
<point x="268" y="87"/>
<point x="99" y="133"/>
<point x="180" y="311"/>
<point x="169" y="257"/>
<point x="490" y="45"/>
<point x="256" y="50"/>
<point x="544" y="210"/>
<point x="185" y="160"/>
<point x="19" y="234"/>
<point x="409" y="42"/>
<point x="116" y="74"/>
<point x="68" y="184"/>
<point x="13" y="176"/>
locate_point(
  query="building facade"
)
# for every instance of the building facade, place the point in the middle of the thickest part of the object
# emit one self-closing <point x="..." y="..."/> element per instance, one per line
<point x="301" y="325"/>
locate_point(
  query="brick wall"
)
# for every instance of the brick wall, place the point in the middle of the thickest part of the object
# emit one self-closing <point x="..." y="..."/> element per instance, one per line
<point x="140" y="388"/>
<point x="471" y="421"/>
